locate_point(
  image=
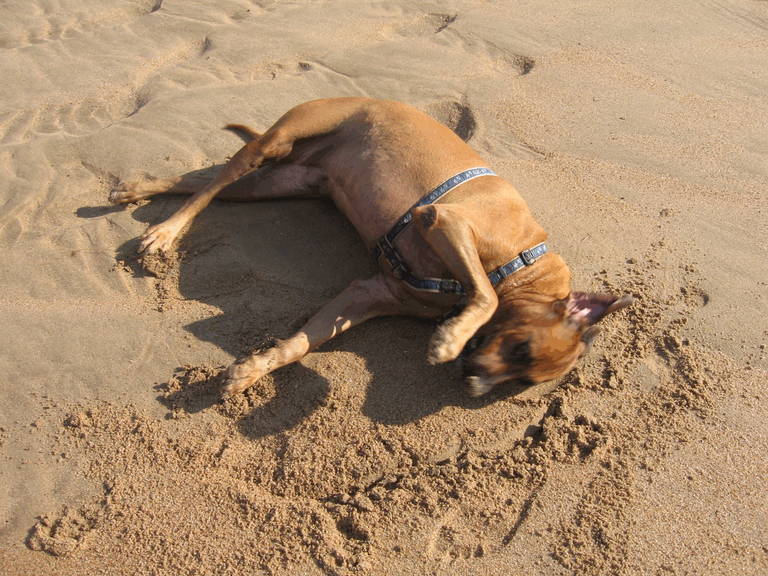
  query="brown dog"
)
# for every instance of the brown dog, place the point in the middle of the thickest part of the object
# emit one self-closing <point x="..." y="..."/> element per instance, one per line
<point x="376" y="159"/>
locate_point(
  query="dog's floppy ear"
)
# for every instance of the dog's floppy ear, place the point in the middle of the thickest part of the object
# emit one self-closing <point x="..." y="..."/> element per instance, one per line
<point x="587" y="309"/>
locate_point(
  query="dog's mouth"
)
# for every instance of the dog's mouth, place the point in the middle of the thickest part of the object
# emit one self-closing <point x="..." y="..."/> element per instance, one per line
<point x="477" y="379"/>
<point x="467" y="369"/>
<point x="475" y="383"/>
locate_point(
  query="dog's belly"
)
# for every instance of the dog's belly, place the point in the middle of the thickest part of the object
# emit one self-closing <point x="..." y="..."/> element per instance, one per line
<point x="372" y="191"/>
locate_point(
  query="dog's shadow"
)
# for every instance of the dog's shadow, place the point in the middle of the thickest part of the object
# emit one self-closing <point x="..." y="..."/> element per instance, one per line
<point x="268" y="266"/>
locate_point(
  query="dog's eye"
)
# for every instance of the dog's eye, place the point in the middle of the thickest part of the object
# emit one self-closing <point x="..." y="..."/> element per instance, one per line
<point x="472" y="345"/>
<point x="520" y="352"/>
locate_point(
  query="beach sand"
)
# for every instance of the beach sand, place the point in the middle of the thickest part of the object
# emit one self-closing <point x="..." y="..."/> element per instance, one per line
<point x="636" y="131"/>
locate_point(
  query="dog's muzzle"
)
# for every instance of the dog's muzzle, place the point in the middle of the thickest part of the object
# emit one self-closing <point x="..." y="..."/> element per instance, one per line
<point x="474" y="384"/>
<point x="464" y="358"/>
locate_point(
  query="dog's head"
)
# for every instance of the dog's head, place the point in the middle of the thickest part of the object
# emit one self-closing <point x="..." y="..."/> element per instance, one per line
<point x="535" y="342"/>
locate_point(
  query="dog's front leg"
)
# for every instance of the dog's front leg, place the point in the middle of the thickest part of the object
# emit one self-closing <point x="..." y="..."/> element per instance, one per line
<point x="361" y="300"/>
<point x="450" y="235"/>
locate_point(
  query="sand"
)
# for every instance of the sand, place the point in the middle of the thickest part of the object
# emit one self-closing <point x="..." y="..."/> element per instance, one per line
<point x="636" y="131"/>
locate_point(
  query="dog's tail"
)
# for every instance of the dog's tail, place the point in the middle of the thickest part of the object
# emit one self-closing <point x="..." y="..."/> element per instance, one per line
<point x="247" y="130"/>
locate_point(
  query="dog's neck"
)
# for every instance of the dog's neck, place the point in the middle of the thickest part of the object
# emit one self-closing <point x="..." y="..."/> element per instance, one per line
<point x="547" y="280"/>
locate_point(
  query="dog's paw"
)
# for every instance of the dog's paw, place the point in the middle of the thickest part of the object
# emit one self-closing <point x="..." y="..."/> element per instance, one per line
<point x="158" y="238"/>
<point x="127" y="192"/>
<point x="443" y="347"/>
<point x="245" y="373"/>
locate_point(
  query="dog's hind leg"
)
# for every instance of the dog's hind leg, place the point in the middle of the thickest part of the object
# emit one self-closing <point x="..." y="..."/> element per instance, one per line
<point x="272" y="181"/>
<point x="137" y="190"/>
<point x="360" y="301"/>
<point x="308" y="120"/>
<point x="162" y="236"/>
<point x="188" y="184"/>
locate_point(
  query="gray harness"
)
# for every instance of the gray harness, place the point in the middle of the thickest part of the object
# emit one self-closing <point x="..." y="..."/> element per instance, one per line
<point x="400" y="270"/>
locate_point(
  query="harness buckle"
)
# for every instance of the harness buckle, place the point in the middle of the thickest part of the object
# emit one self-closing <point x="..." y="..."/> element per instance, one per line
<point x="399" y="271"/>
<point x="528" y="257"/>
<point x="449" y="286"/>
<point x="385" y="246"/>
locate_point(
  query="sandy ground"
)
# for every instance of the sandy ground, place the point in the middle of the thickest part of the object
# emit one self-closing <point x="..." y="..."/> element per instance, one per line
<point x="637" y="131"/>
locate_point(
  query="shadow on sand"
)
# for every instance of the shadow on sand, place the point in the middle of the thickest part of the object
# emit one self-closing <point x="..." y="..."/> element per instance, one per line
<point x="268" y="266"/>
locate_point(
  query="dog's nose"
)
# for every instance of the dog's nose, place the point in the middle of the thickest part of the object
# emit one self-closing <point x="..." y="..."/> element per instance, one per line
<point x="476" y="386"/>
<point x="468" y="370"/>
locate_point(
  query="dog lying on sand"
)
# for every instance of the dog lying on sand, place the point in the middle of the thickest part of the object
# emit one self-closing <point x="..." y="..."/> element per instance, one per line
<point x="448" y="234"/>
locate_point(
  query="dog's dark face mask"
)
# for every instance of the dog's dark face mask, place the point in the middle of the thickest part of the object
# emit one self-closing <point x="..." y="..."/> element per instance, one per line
<point x="535" y="342"/>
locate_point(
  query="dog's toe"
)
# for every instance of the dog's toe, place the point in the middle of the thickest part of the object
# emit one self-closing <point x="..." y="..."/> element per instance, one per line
<point x="245" y="373"/>
<point x="124" y="193"/>
<point x="442" y="352"/>
<point x="442" y="347"/>
<point x="158" y="238"/>
<point x="235" y="386"/>
<point x="116" y="197"/>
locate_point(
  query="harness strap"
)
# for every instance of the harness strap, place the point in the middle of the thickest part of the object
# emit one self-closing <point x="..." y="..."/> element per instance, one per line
<point x="430" y="198"/>
<point x="444" y="285"/>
